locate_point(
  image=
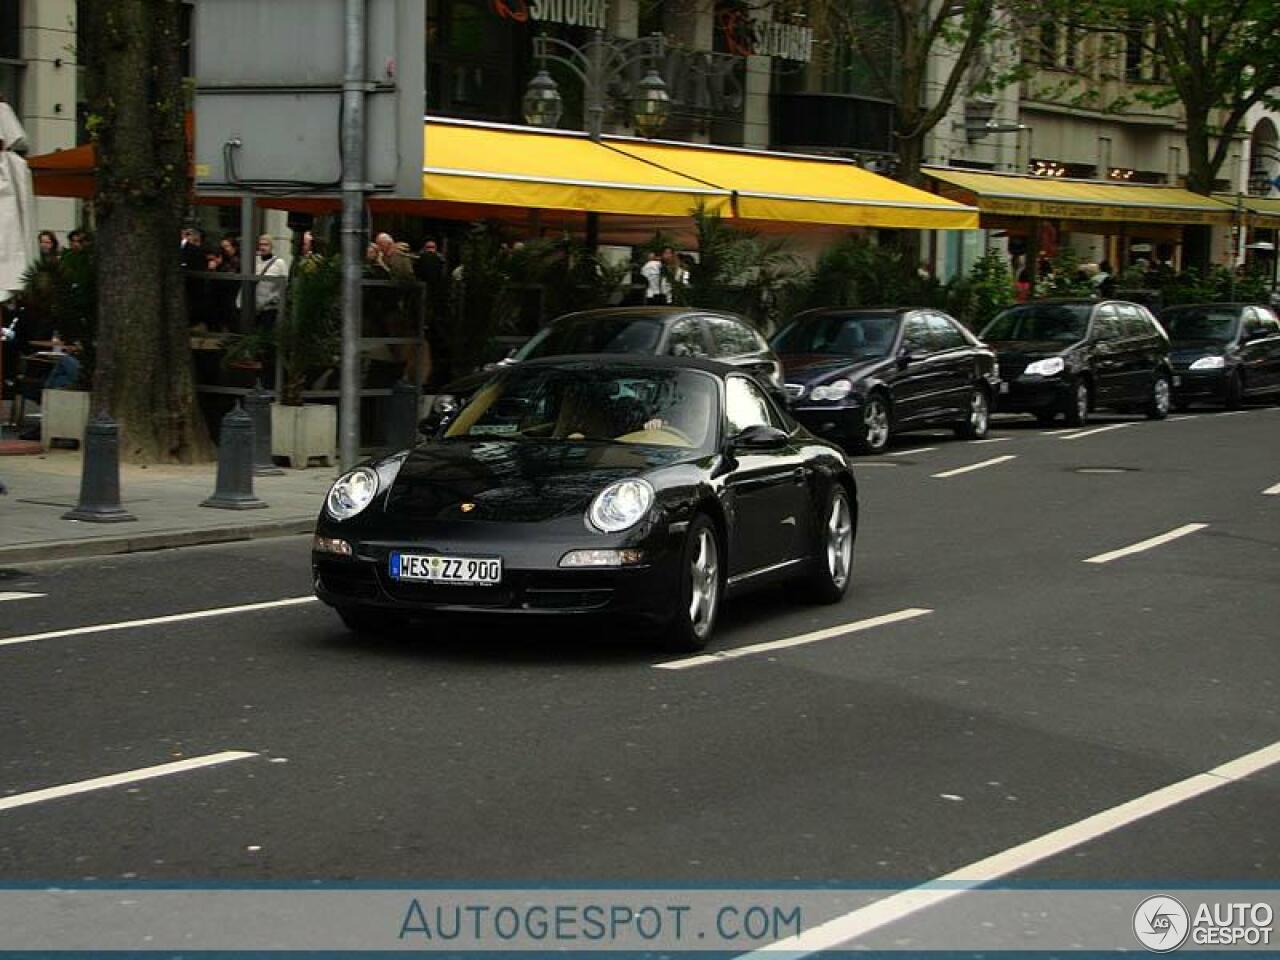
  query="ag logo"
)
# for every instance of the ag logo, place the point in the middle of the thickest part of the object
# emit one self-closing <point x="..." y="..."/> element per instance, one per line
<point x="1161" y="924"/>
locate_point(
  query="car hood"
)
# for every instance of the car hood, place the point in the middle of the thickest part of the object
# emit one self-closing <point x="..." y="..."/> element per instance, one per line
<point x="514" y="481"/>
<point x="1188" y="350"/>
<point x="810" y="368"/>
<point x="1028" y="349"/>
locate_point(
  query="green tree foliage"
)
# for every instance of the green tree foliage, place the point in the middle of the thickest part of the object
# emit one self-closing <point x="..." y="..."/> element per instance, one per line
<point x="855" y="272"/>
<point x="976" y="299"/>
<point x="308" y="336"/>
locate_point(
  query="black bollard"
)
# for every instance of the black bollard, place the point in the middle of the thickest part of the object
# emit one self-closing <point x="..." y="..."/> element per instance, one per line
<point x="402" y="419"/>
<point x="234" y="490"/>
<point x="100" y="475"/>
<point x="258" y="405"/>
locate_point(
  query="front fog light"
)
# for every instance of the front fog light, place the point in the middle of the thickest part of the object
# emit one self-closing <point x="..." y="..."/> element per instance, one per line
<point x="601" y="558"/>
<point x="332" y="545"/>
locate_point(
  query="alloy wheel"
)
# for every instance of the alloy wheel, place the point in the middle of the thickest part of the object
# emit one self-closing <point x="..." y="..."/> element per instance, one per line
<point x="979" y="413"/>
<point x="1161" y="396"/>
<point x="875" y="418"/>
<point x="1082" y="401"/>
<point x="839" y="541"/>
<point x="704" y="575"/>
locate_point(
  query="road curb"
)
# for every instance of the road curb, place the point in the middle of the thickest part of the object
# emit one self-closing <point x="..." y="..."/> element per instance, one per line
<point x="159" y="540"/>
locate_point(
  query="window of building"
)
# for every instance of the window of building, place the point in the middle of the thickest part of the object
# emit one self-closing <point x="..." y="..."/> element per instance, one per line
<point x="1071" y="56"/>
<point x="474" y="63"/>
<point x="11" y="65"/>
<point x="1049" y="44"/>
<point x="1133" y="53"/>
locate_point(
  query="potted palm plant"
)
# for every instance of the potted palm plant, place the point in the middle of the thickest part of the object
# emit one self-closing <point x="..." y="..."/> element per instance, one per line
<point x="307" y="340"/>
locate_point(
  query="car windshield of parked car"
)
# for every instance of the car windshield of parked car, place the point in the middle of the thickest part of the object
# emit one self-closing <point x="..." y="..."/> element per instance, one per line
<point x="1201" y="323"/>
<point x="1061" y="322"/>
<point x="664" y="407"/>
<point x="857" y="336"/>
<point x="616" y="333"/>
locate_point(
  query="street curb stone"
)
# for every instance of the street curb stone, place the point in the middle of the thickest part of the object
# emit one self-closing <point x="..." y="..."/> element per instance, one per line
<point x="160" y="540"/>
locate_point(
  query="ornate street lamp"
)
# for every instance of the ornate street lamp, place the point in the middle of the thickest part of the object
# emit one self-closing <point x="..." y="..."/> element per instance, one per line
<point x="599" y="64"/>
<point x="542" y="102"/>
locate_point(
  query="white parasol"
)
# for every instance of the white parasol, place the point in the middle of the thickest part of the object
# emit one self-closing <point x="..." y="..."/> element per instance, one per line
<point x="17" y="205"/>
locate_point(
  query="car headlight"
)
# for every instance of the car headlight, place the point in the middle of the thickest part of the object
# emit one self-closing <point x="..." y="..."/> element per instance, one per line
<point x="621" y="505"/>
<point x="351" y="493"/>
<point x="1047" y="367"/>
<point x="835" y="390"/>
<point x="1209" y="363"/>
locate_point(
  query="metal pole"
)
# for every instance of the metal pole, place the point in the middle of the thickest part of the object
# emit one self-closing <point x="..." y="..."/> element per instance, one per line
<point x="248" y="262"/>
<point x="353" y="148"/>
<point x="594" y="84"/>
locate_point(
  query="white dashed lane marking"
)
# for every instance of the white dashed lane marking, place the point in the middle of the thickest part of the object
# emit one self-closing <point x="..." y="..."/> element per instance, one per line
<point x="1090" y="433"/>
<point x="14" y="595"/>
<point x="119" y="779"/>
<point x="994" y="461"/>
<point x="736" y="653"/>
<point x="1147" y="544"/>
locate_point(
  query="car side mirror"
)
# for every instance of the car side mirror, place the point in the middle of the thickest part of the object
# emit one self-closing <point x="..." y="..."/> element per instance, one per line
<point x="908" y="356"/>
<point x="759" y="436"/>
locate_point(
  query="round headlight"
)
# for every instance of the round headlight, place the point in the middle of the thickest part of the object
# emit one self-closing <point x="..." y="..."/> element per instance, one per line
<point x="351" y="493"/>
<point x="621" y="505"/>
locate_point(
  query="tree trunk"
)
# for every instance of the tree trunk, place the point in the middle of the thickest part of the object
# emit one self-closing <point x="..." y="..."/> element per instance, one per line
<point x="144" y="372"/>
<point x="1197" y="240"/>
<point x="910" y="160"/>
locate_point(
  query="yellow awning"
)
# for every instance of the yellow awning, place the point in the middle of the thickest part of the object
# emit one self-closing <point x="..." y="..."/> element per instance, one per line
<point x="804" y="189"/>
<point x="1262" y="211"/>
<point x="552" y="170"/>
<point x="1080" y="199"/>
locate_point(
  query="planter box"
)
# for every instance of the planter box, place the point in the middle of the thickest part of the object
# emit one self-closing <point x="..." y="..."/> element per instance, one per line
<point x="302" y="434"/>
<point x="63" y="416"/>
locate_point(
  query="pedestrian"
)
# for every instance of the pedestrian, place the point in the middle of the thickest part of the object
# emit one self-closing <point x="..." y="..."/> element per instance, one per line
<point x="269" y="290"/>
<point x="191" y="249"/>
<point x="657" y="290"/>
<point x="77" y="241"/>
<point x="49" y="250"/>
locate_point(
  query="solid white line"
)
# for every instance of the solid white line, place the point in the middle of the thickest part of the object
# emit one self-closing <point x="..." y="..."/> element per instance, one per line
<point x="1232" y="413"/>
<point x="975" y="466"/>
<point x="908" y="453"/>
<point x="153" y="621"/>
<point x="1272" y="491"/>
<point x="117" y="779"/>
<point x="844" y="929"/>
<point x="1147" y="544"/>
<point x="14" y="595"/>
<point x="1090" y="433"/>
<point x="1180" y="419"/>
<point x="855" y="627"/>
<point x="992" y="440"/>
<point x="1058" y="433"/>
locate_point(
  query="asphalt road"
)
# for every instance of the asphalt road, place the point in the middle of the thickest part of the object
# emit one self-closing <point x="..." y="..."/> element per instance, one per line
<point x="1038" y="690"/>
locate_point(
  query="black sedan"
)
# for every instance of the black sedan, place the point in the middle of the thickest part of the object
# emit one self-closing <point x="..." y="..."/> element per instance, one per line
<point x="1070" y="357"/>
<point x="640" y="488"/>
<point x="860" y="376"/>
<point x="650" y="331"/>
<point x="1223" y="352"/>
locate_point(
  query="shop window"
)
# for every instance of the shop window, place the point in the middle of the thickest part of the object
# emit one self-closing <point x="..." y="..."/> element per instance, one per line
<point x="10" y="43"/>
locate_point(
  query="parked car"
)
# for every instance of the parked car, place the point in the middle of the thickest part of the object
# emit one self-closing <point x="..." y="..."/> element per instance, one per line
<point x="642" y="488"/>
<point x="651" y="331"/>
<point x="860" y="376"/>
<point x="1223" y="352"/>
<point x="1069" y="357"/>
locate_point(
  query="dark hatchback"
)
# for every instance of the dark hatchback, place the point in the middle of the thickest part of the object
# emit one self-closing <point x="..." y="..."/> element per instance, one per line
<point x="1223" y="352"/>
<point x="1069" y="357"/>
<point x="860" y="376"/>
<point x="642" y="489"/>
<point x="647" y="331"/>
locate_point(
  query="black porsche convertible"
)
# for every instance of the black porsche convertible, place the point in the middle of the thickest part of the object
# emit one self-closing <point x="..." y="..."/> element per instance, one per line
<point x="643" y="488"/>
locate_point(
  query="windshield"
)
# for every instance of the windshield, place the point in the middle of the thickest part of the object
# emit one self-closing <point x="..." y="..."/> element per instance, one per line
<point x="668" y="407"/>
<point x="1060" y="322"/>
<point x="608" y="334"/>
<point x="1200" y="323"/>
<point x="857" y="336"/>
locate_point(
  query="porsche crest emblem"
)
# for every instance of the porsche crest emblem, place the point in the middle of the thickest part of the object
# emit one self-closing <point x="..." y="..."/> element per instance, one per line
<point x="468" y="507"/>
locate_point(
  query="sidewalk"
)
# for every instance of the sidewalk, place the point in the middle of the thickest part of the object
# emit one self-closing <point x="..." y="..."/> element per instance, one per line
<point x="165" y="500"/>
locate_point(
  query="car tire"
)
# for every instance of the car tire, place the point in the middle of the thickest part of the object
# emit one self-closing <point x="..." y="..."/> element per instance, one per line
<point x="1161" y="397"/>
<point x="700" y="589"/>
<point x="977" y="422"/>
<point x="828" y="581"/>
<point x="877" y="425"/>
<point x="1234" y="398"/>
<point x="1076" y="413"/>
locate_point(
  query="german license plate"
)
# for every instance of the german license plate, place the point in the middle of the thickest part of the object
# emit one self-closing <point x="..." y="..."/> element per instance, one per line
<point x="1177" y="381"/>
<point x="1004" y="386"/>
<point x="478" y="571"/>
